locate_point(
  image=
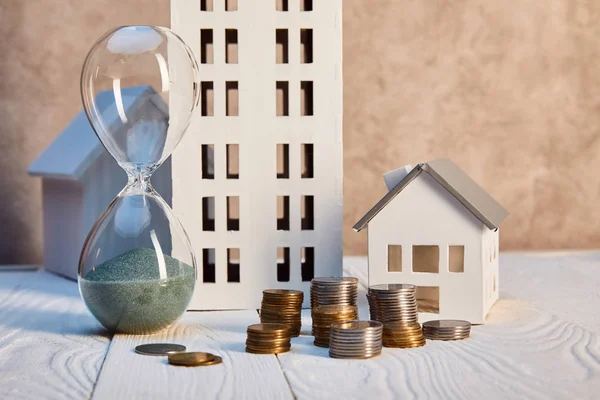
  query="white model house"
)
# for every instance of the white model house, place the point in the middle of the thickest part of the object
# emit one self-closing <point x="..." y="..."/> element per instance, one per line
<point x="437" y="229"/>
<point x="80" y="179"/>
<point x="271" y="110"/>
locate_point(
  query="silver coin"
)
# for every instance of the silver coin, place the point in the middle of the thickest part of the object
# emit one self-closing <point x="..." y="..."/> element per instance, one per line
<point x="159" y="349"/>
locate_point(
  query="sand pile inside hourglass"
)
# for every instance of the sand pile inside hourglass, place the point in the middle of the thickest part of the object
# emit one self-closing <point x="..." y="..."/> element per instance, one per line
<point x="128" y="294"/>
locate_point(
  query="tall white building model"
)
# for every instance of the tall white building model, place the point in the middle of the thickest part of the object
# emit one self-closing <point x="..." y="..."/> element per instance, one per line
<point x="257" y="181"/>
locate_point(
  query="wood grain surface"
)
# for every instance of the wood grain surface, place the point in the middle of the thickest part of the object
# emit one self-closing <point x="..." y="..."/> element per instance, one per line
<point x="128" y="375"/>
<point x="50" y="345"/>
<point x="541" y="340"/>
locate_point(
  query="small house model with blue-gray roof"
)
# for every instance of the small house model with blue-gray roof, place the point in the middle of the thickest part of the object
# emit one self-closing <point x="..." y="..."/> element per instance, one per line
<point x="80" y="179"/>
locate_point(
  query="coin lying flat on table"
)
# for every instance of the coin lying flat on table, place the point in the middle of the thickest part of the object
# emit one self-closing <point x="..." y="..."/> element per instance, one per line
<point x="159" y="349"/>
<point x="194" y="359"/>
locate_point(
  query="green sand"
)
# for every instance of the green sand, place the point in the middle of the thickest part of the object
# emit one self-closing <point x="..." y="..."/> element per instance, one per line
<point x="127" y="295"/>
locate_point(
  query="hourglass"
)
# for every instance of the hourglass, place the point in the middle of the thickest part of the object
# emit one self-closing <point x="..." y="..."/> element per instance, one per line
<point x="137" y="270"/>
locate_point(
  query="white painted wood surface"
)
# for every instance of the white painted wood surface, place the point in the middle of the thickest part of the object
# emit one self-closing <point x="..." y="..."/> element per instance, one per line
<point x="541" y="340"/>
<point x="50" y="345"/>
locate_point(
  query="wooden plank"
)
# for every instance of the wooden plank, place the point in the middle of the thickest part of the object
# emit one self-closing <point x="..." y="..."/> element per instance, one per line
<point x="127" y="375"/>
<point x="545" y="343"/>
<point x="50" y="346"/>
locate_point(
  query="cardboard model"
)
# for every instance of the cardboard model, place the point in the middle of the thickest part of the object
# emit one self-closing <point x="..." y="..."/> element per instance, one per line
<point x="271" y="110"/>
<point x="80" y="179"/>
<point x="437" y="229"/>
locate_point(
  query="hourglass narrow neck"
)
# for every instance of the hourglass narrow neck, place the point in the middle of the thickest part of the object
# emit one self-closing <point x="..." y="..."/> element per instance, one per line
<point x="138" y="179"/>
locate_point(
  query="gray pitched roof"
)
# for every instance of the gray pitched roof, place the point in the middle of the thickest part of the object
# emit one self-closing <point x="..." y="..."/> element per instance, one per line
<point x="77" y="147"/>
<point x="457" y="183"/>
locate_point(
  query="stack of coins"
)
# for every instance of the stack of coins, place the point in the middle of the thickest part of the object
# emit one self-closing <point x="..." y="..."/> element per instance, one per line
<point x="283" y="307"/>
<point x="355" y="339"/>
<point x="333" y="290"/>
<point x="393" y="302"/>
<point x="324" y="316"/>
<point x="403" y="334"/>
<point x="268" y="339"/>
<point x="447" y="329"/>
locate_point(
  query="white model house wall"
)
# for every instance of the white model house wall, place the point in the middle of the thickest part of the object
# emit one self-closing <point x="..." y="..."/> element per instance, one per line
<point x="490" y="276"/>
<point x="270" y="157"/>
<point x="425" y="214"/>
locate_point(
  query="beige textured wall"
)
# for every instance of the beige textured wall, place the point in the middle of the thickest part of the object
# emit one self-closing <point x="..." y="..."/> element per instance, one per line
<point x="509" y="90"/>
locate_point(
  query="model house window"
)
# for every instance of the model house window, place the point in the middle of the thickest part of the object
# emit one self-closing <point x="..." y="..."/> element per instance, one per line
<point x="428" y="299"/>
<point x="231" y="46"/>
<point x="306" y="98"/>
<point x="281" y="46"/>
<point x="233" y="161"/>
<point x="307" y="158"/>
<point x="233" y="213"/>
<point x="208" y="161"/>
<point x="426" y="259"/>
<point x="206" y="5"/>
<point x="456" y="258"/>
<point x="306" y="46"/>
<point x="281" y="5"/>
<point x="232" y="108"/>
<point x="394" y="258"/>
<point x="206" y="46"/>
<point x="307" y="205"/>
<point x="233" y="265"/>
<point x="283" y="161"/>
<point x="282" y="96"/>
<point x="283" y="213"/>
<point x="306" y="5"/>
<point x="231" y="5"/>
<point x="208" y="266"/>
<point x="283" y="264"/>
<point x="208" y="213"/>
<point x="207" y="105"/>
<point x="307" y="263"/>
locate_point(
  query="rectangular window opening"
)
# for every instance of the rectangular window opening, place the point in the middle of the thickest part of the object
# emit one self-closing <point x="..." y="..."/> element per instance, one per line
<point x="207" y="108"/>
<point x="307" y="263"/>
<point x="456" y="258"/>
<point x="283" y="213"/>
<point x="428" y="299"/>
<point x="206" y="46"/>
<point x="394" y="258"/>
<point x="232" y="99"/>
<point x="233" y="265"/>
<point x="208" y="161"/>
<point x="231" y="46"/>
<point x="281" y="5"/>
<point x="208" y="214"/>
<point x="307" y="160"/>
<point x="283" y="264"/>
<point x="306" y="98"/>
<point x="233" y="161"/>
<point x="283" y="98"/>
<point x="206" y="5"/>
<point x="306" y="46"/>
<point x="308" y="213"/>
<point x="306" y="5"/>
<point x="231" y="5"/>
<point x="233" y="213"/>
<point x="426" y="259"/>
<point x="283" y="161"/>
<point x="208" y="266"/>
<point x="281" y="46"/>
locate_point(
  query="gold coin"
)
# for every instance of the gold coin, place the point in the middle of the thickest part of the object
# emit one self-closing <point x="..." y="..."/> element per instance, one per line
<point x="194" y="359"/>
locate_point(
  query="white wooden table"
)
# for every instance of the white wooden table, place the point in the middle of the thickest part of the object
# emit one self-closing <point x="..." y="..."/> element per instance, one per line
<point x="541" y="341"/>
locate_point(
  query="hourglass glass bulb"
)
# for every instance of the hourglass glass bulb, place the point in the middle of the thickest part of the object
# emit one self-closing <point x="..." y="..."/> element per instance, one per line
<point x="152" y="67"/>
